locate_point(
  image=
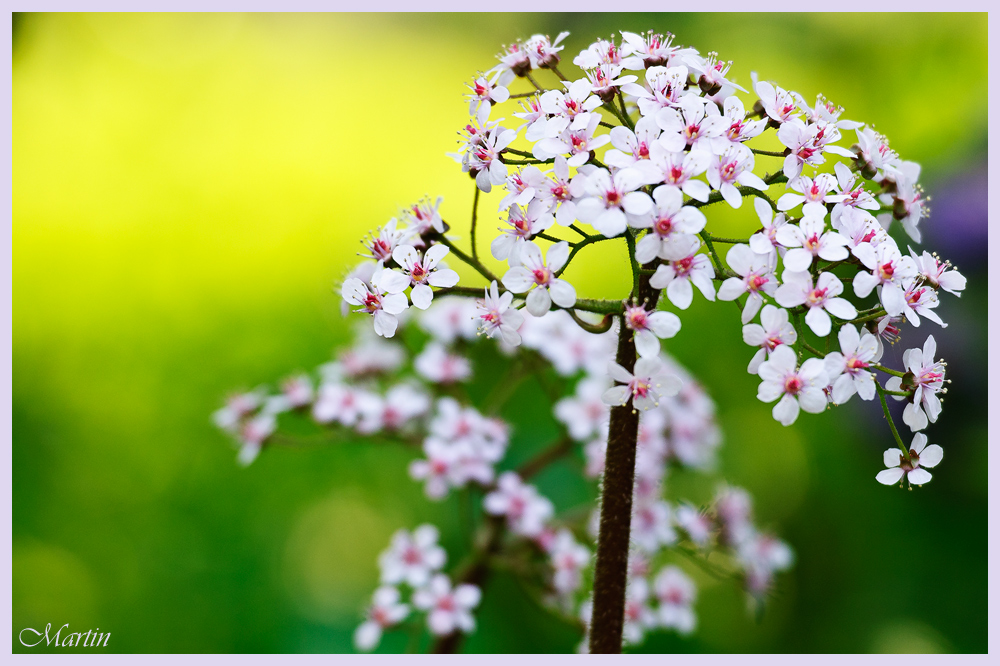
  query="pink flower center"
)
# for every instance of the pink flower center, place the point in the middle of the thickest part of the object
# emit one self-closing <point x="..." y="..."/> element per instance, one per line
<point x="886" y="271"/>
<point x="664" y="226"/>
<point x="373" y="303"/>
<point x="613" y="197"/>
<point x="640" y="387"/>
<point x="855" y="363"/>
<point x="812" y="243"/>
<point x="683" y="266"/>
<point x="542" y="275"/>
<point x="636" y="318"/>
<point x="793" y="384"/>
<point x="816" y="296"/>
<point x="412" y="556"/>
<point x="755" y="282"/>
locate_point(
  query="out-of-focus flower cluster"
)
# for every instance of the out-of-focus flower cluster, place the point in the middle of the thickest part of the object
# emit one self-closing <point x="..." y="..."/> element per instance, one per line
<point x="375" y="388"/>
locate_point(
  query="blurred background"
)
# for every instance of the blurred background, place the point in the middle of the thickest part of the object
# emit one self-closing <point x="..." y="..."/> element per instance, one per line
<point x="189" y="188"/>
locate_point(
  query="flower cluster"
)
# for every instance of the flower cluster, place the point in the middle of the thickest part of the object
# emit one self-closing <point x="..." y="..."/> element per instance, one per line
<point x="412" y="563"/>
<point x="633" y="151"/>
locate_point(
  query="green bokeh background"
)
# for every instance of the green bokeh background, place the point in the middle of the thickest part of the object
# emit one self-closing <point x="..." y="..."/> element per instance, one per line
<point x="188" y="189"/>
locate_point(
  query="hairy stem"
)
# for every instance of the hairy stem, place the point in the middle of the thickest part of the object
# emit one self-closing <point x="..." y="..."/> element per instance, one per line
<point x="611" y="571"/>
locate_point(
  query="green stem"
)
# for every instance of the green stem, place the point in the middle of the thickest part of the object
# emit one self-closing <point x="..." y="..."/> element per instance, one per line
<point x="769" y="153"/>
<point x="588" y="240"/>
<point x="621" y="103"/>
<point x="475" y="263"/>
<point x="602" y="327"/>
<point x="888" y="417"/>
<point x="715" y="256"/>
<point x="472" y="230"/>
<point x="875" y="315"/>
<point x="889" y="371"/>
<point x="730" y="241"/>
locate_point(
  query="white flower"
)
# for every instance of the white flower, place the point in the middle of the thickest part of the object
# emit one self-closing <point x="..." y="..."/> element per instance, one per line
<point x="685" y="268"/>
<point x="571" y="110"/>
<point x="425" y="273"/>
<point x="890" y="270"/>
<point x="525" y="510"/>
<point x="338" y="402"/>
<point x="778" y="103"/>
<point x="384" y="612"/>
<point x="638" y="614"/>
<point x="670" y="223"/>
<point x="676" y="593"/>
<point x="919" y="301"/>
<point x="447" y="609"/>
<point x="237" y="407"/>
<point x="678" y="169"/>
<point x="568" y="559"/>
<point x="808" y="240"/>
<point x="757" y="276"/>
<point x="448" y="319"/>
<point x="798" y="289"/>
<point x="732" y="167"/>
<point x="424" y="216"/>
<point x="697" y="525"/>
<point x="439" y="366"/>
<point x="651" y="527"/>
<point x="740" y="129"/>
<point x="645" y="387"/>
<point x="584" y="413"/>
<point x="401" y="404"/>
<point x="765" y="241"/>
<point x="380" y="246"/>
<point x="252" y="434"/>
<point x="928" y="380"/>
<point x="612" y="200"/>
<point x="908" y="203"/>
<point x="555" y="192"/>
<point x="664" y="88"/>
<point x="921" y="457"/>
<point x="443" y="467"/>
<point x="486" y="92"/>
<point x="776" y="331"/>
<point x="575" y="143"/>
<point x="524" y="225"/>
<point x="522" y="187"/>
<point x="936" y="272"/>
<point x="412" y="558"/>
<point x="483" y="159"/>
<point x="848" y="369"/>
<point x="797" y="387"/>
<point x="696" y="123"/>
<point x="650" y="327"/>
<point x="606" y="80"/>
<point x="629" y="146"/>
<point x="712" y="71"/>
<point x="382" y="298"/>
<point x="649" y="50"/>
<point x="539" y="273"/>
<point x="761" y="556"/>
<point x="855" y="197"/>
<point x="813" y="192"/>
<point x="496" y="315"/>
